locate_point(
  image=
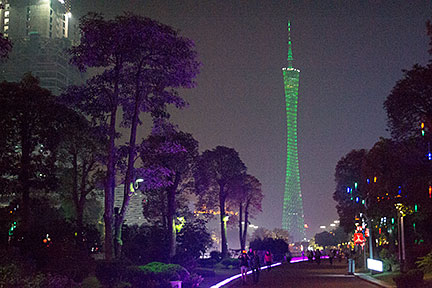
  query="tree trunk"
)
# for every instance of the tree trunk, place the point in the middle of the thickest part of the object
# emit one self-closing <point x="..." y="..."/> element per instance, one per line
<point x="222" y="199"/>
<point x="241" y="226"/>
<point x="129" y="171"/>
<point x="171" y="212"/>
<point x="24" y="174"/>
<point x="109" y="186"/>
<point x="246" y="223"/>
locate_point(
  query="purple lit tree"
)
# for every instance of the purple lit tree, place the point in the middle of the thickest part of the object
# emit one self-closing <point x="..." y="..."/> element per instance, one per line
<point x="144" y="62"/>
<point x="247" y="196"/>
<point x="176" y="151"/>
<point x="216" y="170"/>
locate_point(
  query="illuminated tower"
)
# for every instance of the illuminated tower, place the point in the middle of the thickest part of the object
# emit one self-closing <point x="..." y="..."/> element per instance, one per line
<point x="292" y="215"/>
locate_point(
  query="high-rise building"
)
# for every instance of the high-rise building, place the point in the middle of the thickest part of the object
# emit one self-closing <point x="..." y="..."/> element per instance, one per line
<point x="40" y="31"/>
<point x="292" y="215"/>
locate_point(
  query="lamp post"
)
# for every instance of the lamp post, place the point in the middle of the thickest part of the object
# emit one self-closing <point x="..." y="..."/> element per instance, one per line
<point x="402" y="212"/>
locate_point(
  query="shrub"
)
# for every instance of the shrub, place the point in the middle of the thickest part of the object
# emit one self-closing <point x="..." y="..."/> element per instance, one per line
<point x="413" y="278"/>
<point x="425" y="263"/>
<point x="207" y="263"/>
<point x="91" y="282"/>
<point x="193" y="281"/>
<point x="389" y="260"/>
<point x="231" y="262"/>
<point x="166" y="271"/>
<point x="55" y="281"/>
<point x="112" y="272"/>
<point x="185" y="260"/>
<point x="216" y="255"/>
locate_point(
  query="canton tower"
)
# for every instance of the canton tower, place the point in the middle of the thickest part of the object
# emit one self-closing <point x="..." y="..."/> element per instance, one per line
<point x="292" y="215"/>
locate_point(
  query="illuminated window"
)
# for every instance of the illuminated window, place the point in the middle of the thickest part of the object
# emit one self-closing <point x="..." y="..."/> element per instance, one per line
<point x="6" y="21"/>
<point x="6" y="14"/>
<point x="6" y="29"/>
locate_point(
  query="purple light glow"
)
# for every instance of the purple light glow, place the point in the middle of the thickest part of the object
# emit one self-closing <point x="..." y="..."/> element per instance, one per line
<point x="232" y="278"/>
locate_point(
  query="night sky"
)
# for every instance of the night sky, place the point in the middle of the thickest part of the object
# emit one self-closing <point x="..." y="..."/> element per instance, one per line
<point x="350" y="54"/>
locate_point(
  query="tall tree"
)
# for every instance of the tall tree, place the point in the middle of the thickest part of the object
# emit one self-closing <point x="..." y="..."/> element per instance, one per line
<point x="216" y="169"/>
<point x="349" y="186"/>
<point x="5" y="46"/>
<point x="102" y="45"/>
<point x="30" y="123"/>
<point x="80" y="154"/>
<point x="144" y="62"/>
<point x="247" y="197"/>
<point x="177" y="152"/>
<point x="160" y="61"/>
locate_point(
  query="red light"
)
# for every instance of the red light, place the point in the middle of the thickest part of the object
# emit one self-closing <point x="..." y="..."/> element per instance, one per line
<point x="379" y="230"/>
<point x="430" y="191"/>
<point x="44" y="240"/>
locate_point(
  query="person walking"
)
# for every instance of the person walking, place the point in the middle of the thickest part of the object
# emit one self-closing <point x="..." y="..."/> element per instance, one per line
<point x="244" y="263"/>
<point x="256" y="266"/>
<point x="318" y="256"/>
<point x="268" y="259"/>
<point x="331" y="256"/>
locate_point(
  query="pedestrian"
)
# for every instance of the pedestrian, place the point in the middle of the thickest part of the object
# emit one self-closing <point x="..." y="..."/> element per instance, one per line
<point x="289" y="256"/>
<point x="318" y="256"/>
<point x="331" y="255"/>
<point x="256" y="266"/>
<point x="250" y="255"/>
<point x="339" y="255"/>
<point x="268" y="259"/>
<point x="244" y="263"/>
<point x="309" y="256"/>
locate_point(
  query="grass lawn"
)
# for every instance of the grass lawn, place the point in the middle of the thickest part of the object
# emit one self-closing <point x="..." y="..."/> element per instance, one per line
<point x="386" y="277"/>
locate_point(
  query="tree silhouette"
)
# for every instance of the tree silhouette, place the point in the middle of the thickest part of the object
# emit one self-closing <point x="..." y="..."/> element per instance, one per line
<point x="247" y="197"/>
<point x="177" y="152"/>
<point x="216" y="170"/>
<point x="144" y="61"/>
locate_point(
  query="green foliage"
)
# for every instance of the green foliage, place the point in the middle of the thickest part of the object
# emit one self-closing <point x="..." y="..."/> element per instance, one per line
<point x="91" y="282"/>
<point x="193" y="281"/>
<point x="216" y="255"/>
<point x="166" y="271"/>
<point x="389" y="259"/>
<point x="193" y="239"/>
<point x="152" y="238"/>
<point x="425" y="263"/>
<point x="233" y="262"/>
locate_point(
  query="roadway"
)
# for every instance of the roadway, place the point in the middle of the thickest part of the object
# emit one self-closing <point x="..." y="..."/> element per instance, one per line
<point x="305" y="274"/>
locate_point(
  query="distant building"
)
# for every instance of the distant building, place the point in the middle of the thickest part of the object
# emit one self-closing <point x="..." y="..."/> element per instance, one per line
<point x="40" y="31"/>
<point x="292" y="215"/>
<point x="134" y="213"/>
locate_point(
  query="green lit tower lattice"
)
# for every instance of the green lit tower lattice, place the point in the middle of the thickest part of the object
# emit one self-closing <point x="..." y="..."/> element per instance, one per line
<point x="292" y="215"/>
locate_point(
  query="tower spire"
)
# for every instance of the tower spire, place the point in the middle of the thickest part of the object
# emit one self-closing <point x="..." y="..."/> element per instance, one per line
<point x="290" y="57"/>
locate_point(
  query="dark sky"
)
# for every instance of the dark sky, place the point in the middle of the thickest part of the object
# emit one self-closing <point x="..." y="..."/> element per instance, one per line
<point x="350" y="54"/>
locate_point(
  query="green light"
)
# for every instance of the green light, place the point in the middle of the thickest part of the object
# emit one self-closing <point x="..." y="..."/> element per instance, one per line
<point x="355" y="185"/>
<point x="363" y="202"/>
<point x="292" y="217"/>
<point x="415" y="208"/>
<point x="392" y="220"/>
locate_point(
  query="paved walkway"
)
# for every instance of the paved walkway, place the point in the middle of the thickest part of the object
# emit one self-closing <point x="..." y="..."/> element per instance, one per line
<point x="309" y="275"/>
